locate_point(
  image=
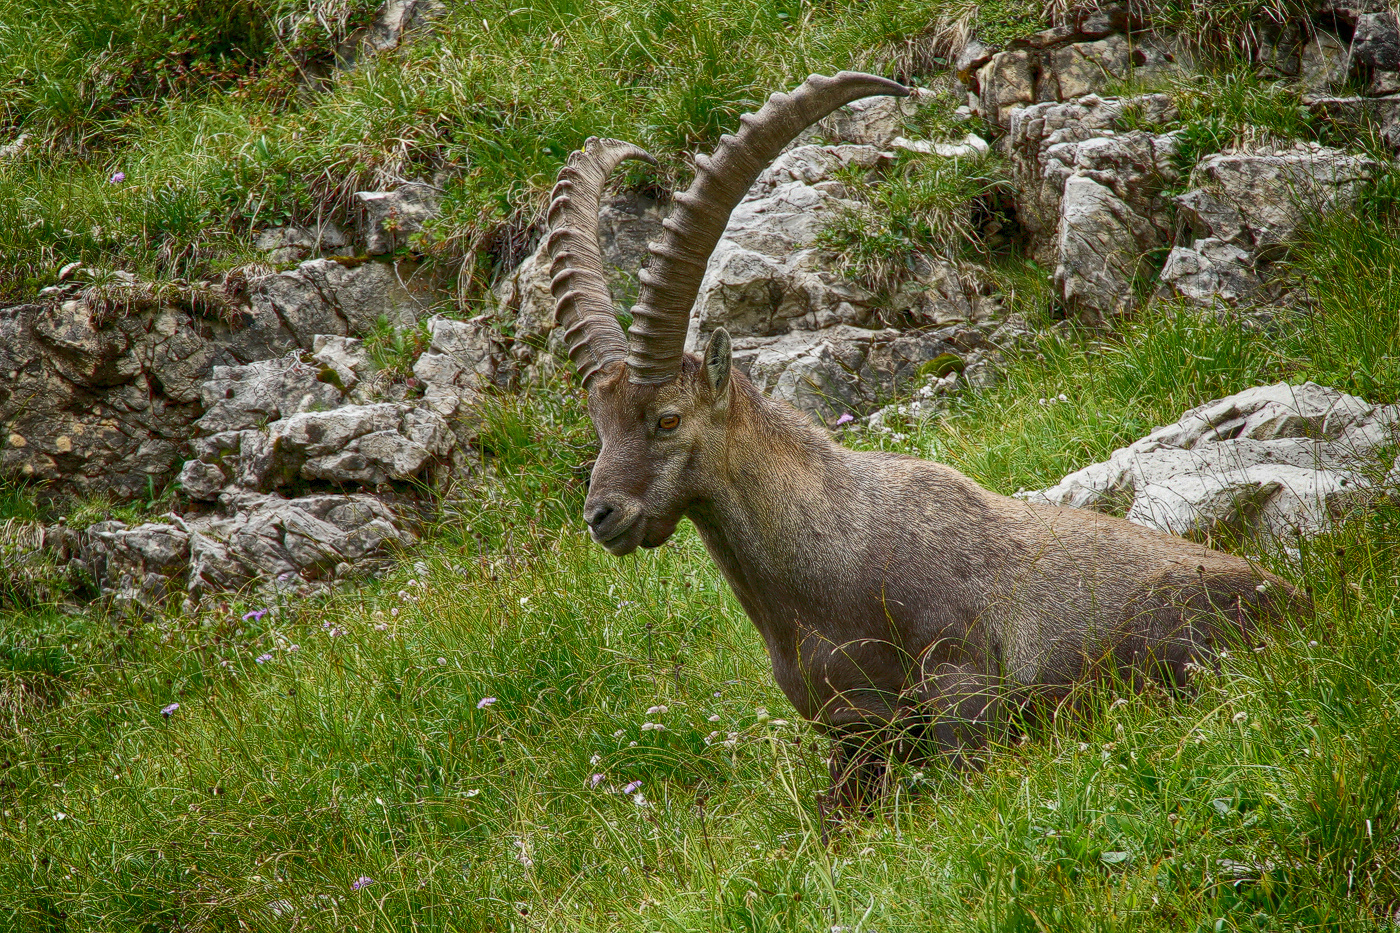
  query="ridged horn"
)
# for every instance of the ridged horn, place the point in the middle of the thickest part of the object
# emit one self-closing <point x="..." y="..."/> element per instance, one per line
<point x="698" y="218"/>
<point x="582" y="305"/>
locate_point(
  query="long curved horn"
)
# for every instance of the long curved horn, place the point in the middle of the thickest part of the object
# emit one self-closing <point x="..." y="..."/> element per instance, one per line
<point x="583" y="306"/>
<point x="672" y="280"/>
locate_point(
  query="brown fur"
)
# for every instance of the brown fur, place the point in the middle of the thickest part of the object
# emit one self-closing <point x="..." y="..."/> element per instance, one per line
<point x="895" y="595"/>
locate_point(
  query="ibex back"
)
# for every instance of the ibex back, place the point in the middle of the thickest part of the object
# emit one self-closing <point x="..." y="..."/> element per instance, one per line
<point x="896" y="597"/>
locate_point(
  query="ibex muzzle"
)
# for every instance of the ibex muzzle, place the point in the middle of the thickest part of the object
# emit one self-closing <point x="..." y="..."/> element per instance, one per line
<point x="901" y="604"/>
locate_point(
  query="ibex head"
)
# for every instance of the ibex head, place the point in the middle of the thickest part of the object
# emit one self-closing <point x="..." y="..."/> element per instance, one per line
<point x="661" y="415"/>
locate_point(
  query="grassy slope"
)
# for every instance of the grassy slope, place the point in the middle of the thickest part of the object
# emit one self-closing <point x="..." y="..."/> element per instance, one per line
<point x="493" y="108"/>
<point x="1267" y="802"/>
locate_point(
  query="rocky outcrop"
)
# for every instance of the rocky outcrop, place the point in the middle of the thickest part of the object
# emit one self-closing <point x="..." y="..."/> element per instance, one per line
<point x="1245" y="210"/>
<point x="802" y="328"/>
<point x="288" y="310"/>
<point x="832" y="372"/>
<point x="93" y="402"/>
<point x="1093" y="204"/>
<point x="295" y="243"/>
<point x="385" y="220"/>
<point x="100" y="383"/>
<point x="309" y="468"/>
<point x="1087" y="55"/>
<point x="328" y="418"/>
<point x="254" y="543"/>
<point x="1272" y="460"/>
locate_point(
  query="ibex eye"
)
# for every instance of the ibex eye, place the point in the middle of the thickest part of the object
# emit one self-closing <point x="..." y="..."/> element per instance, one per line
<point x="669" y="422"/>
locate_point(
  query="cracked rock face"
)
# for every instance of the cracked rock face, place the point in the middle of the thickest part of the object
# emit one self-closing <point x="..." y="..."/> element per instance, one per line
<point x="255" y="542"/>
<point x="768" y="275"/>
<point x="1093" y="201"/>
<point x="1260" y="200"/>
<point x="1272" y="460"/>
<point x="385" y="220"/>
<point x="94" y="403"/>
<point x="830" y="372"/>
<point x="323" y="296"/>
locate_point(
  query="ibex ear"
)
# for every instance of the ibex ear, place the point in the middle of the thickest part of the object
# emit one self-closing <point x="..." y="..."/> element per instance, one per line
<point x="718" y="358"/>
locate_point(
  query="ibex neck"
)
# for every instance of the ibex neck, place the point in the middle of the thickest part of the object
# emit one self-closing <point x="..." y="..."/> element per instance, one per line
<point x="774" y="518"/>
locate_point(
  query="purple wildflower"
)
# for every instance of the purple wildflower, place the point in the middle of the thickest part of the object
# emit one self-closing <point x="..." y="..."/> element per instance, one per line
<point x="361" y="882"/>
<point x="263" y="658"/>
<point x="117" y="178"/>
<point x="595" y="780"/>
<point x="485" y="702"/>
<point x="255" y="614"/>
<point x="167" y="711"/>
<point x="632" y="788"/>
<point x="846" y="418"/>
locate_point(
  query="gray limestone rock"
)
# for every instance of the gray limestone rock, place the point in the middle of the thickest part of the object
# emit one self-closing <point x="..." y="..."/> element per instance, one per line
<point x="1375" y="45"/>
<point x="1208" y="272"/>
<point x="874" y="121"/>
<point x="331" y="297"/>
<point x="768" y="274"/>
<point x="1272" y="460"/>
<point x="1042" y="150"/>
<point x="1259" y="200"/>
<point x="841" y="369"/>
<point x="1359" y="114"/>
<point x="385" y="220"/>
<point x="294" y="243"/>
<point x="98" y="402"/>
<point x="253" y="543"/>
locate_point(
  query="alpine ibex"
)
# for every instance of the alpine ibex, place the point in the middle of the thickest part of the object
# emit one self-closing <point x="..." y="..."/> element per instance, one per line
<point x="894" y="595"/>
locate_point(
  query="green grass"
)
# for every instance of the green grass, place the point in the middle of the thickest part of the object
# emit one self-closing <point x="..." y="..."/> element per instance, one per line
<point x="492" y="106"/>
<point x="1270" y="801"/>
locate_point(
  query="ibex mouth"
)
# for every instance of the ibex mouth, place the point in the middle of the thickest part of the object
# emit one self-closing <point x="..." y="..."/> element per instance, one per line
<point x="624" y="540"/>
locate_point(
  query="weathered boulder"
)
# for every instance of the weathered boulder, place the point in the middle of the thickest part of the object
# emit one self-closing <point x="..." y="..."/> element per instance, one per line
<point x="1272" y="460"/>
<point x="769" y="275"/>
<point x="396" y="20"/>
<point x="462" y="358"/>
<point x="1093" y="202"/>
<point x="385" y="220"/>
<point x="279" y="426"/>
<point x="1064" y="64"/>
<point x="1042" y="150"/>
<point x="1243" y="213"/>
<point x="93" y="401"/>
<point x="287" y="310"/>
<point x="1358" y="114"/>
<point x="145" y="564"/>
<point x="1259" y="200"/>
<point x="294" y="243"/>
<point x="1208" y="272"/>
<point x="841" y="369"/>
<point x="255" y="542"/>
<point x="1375" y="43"/>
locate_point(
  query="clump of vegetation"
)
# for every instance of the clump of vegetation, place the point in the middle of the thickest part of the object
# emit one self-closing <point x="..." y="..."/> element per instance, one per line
<point x="393" y="349"/>
<point x="921" y="205"/>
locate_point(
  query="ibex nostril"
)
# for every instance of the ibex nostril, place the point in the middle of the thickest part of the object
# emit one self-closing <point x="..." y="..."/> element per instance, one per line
<point x="598" y="515"/>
